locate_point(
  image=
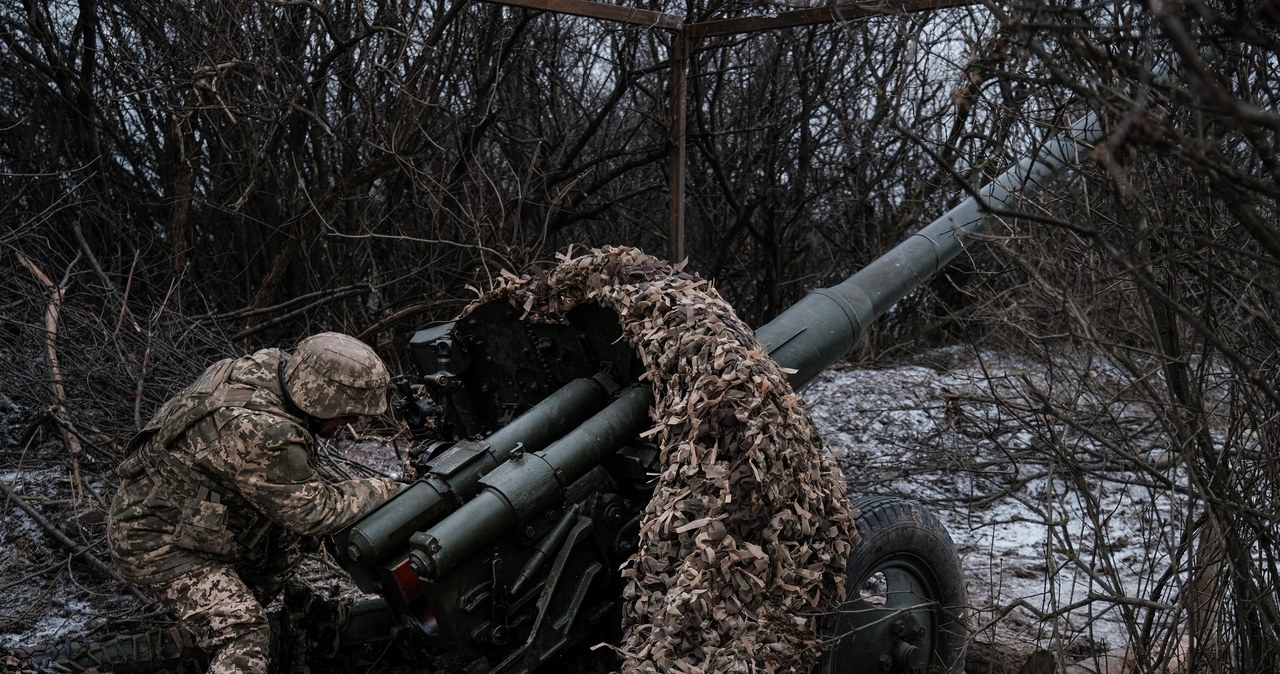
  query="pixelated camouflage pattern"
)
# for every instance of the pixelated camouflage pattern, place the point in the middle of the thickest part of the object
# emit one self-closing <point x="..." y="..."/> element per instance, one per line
<point x="225" y="614"/>
<point x="210" y="520"/>
<point x="332" y="375"/>
<point x="257" y="457"/>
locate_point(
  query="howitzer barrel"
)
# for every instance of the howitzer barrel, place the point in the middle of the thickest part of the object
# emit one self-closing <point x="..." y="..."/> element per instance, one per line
<point x="526" y="486"/>
<point x="824" y="326"/>
<point x="457" y="478"/>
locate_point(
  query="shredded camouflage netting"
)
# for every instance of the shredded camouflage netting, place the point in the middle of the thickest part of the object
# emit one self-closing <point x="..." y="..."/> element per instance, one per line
<point x="744" y="543"/>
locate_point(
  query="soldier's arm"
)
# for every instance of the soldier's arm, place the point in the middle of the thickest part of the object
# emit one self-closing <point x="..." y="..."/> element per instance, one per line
<point x="268" y="460"/>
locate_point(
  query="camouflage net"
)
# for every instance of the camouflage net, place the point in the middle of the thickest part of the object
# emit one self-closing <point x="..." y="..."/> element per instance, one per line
<point x="745" y="540"/>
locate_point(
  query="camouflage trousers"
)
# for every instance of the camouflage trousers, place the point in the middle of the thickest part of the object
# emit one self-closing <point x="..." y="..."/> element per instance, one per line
<point x="225" y="613"/>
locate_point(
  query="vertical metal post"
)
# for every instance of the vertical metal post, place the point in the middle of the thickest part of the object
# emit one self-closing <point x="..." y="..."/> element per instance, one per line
<point x="676" y="152"/>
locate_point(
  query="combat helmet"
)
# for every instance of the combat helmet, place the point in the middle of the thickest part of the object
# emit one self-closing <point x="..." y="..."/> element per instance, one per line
<point x="334" y="375"/>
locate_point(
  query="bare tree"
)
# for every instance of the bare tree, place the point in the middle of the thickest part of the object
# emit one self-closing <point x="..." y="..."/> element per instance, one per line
<point x="1162" y="260"/>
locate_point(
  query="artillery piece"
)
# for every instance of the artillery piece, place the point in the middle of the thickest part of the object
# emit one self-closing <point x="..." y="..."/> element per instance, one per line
<point x="507" y="546"/>
<point x="504" y="552"/>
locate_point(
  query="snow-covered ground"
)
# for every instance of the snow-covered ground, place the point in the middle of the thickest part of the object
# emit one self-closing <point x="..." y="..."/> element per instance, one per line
<point x="1051" y="552"/>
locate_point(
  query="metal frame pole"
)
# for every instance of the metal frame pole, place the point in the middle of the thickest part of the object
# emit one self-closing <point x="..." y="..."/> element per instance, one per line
<point x="681" y="35"/>
<point x="676" y="155"/>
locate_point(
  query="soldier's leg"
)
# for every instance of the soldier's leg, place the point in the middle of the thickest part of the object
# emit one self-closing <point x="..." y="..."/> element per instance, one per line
<point x="268" y="578"/>
<point x="225" y="616"/>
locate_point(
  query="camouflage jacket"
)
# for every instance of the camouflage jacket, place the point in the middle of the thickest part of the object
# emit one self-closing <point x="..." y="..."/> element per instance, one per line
<point x="224" y="472"/>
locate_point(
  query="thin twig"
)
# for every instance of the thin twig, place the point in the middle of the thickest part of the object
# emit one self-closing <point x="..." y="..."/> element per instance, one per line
<point x="32" y="576"/>
<point x="249" y="312"/>
<point x="124" y="301"/>
<point x="396" y="316"/>
<point x="93" y="259"/>
<point x="300" y="310"/>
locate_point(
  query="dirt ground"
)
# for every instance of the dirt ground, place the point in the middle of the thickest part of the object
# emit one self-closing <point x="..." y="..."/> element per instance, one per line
<point x="922" y="429"/>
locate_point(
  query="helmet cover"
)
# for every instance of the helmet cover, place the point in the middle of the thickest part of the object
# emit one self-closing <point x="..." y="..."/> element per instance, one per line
<point x="334" y="375"/>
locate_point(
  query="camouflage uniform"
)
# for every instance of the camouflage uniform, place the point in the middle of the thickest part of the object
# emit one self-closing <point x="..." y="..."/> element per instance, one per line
<point x="220" y="490"/>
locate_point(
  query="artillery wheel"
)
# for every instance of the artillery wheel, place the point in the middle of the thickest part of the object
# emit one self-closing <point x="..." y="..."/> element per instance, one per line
<point x="905" y="593"/>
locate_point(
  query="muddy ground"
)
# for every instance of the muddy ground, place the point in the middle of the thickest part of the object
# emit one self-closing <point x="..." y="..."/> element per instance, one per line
<point x="1029" y="537"/>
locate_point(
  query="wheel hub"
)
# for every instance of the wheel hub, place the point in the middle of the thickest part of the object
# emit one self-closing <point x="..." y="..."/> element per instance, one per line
<point x="906" y="655"/>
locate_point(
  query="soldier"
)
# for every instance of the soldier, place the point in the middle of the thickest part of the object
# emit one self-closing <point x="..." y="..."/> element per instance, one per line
<point x="219" y="488"/>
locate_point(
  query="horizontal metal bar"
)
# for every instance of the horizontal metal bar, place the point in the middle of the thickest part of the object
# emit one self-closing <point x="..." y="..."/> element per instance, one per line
<point x="601" y="10"/>
<point x="848" y="11"/>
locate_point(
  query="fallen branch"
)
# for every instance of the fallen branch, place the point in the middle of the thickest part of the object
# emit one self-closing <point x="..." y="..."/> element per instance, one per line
<point x="76" y="549"/>
<point x="51" y="312"/>
<point x="989" y="653"/>
<point x="1123" y="660"/>
<point x="996" y="655"/>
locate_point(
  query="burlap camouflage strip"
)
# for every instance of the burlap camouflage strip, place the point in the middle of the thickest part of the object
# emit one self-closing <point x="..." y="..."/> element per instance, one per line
<point x="744" y="543"/>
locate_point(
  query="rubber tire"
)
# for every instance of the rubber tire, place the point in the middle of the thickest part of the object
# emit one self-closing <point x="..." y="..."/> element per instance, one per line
<point x="899" y="534"/>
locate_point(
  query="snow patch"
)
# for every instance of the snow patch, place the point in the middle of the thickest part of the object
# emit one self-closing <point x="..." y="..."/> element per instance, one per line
<point x="1049" y="554"/>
